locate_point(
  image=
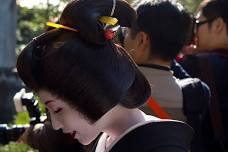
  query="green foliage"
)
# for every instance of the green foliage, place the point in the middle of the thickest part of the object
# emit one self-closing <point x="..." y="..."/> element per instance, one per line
<point x="191" y="5"/>
<point x="42" y="108"/>
<point x="22" y="118"/>
<point x="14" y="147"/>
<point x="32" y="22"/>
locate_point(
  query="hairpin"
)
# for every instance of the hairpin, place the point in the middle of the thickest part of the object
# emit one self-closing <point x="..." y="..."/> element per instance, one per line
<point x="55" y="25"/>
<point x="110" y="24"/>
<point x="104" y="19"/>
<point x="113" y="7"/>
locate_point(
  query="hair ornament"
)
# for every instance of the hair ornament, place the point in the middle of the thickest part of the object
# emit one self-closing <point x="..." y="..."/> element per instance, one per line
<point x="113" y="7"/>
<point x="55" y="25"/>
<point x="110" y="23"/>
<point x="104" y="19"/>
<point x="108" y="20"/>
<point x="110" y="32"/>
<point x="110" y="27"/>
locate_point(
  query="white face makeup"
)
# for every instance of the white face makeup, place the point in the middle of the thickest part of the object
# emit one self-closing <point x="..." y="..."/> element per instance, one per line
<point x="64" y="117"/>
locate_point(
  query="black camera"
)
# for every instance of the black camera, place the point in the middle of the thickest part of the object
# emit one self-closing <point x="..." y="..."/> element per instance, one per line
<point x="23" y="101"/>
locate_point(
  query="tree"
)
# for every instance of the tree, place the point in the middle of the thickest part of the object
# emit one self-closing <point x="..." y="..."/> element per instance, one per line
<point x="191" y="5"/>
<point x="32" y="22"/>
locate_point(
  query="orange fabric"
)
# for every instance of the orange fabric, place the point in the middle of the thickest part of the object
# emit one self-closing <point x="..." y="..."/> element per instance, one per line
<point x="159" y="111"/>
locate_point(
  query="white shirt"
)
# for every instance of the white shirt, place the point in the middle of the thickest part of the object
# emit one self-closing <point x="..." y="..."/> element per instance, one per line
<point x="166" y="91"/>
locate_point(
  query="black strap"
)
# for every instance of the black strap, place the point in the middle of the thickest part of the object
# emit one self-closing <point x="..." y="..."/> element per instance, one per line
<point x="164" y="136"/>
<point x="209" y="77"/>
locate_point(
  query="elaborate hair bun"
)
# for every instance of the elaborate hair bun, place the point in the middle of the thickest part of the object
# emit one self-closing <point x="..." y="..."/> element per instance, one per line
<point x="84" y="16"/>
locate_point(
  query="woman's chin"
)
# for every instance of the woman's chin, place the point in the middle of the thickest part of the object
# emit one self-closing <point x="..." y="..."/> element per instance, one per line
<point x="85" y="141"/>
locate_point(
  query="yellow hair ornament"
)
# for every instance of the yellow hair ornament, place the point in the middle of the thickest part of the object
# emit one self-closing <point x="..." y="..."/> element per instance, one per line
<point x="104" y="19"/>
<point x="55" y="25"/>
<point x="108" y="20"/>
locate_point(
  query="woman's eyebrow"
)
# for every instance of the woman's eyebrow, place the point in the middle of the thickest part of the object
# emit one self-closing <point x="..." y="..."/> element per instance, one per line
<point x="48" y="102"/>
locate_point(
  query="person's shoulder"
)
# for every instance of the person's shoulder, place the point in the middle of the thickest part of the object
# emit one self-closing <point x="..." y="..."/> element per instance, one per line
<point x="205" y="55"/>
<point x="213" y="53"/>
<point x="167" y="133"/>
<point x="169" y="123"/>
<point x="157" y="134"/>
<point x="189" y="60"/>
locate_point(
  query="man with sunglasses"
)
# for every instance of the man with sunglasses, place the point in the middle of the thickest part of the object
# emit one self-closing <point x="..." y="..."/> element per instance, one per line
<point x="210" y="64"/>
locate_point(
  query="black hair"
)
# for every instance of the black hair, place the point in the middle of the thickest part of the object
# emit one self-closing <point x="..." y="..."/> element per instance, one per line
<point x="86" y="70"/>
<point x="214" y="9"/>
<point x="168" y="25"/>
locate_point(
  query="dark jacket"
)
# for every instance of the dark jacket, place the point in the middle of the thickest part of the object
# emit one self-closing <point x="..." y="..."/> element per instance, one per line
<point x="217" y="64"/>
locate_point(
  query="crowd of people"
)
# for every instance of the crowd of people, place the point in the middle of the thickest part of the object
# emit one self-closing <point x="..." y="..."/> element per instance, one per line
<point x="148" y="77"/>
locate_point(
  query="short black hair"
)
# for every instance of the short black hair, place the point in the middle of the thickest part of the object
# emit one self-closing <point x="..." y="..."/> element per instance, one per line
<point x="88" y="71"/>
<point x="214" y="9"/>
<point x="167" y="24"/>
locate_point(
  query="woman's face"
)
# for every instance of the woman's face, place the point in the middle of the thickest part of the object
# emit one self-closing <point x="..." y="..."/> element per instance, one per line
<point x="64" y="117"/>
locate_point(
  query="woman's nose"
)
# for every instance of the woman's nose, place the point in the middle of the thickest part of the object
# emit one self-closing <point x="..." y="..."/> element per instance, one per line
<point x="56" y="124"/>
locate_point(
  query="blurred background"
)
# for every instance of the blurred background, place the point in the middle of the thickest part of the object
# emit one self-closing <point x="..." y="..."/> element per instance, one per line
<point x="20" y="21"/>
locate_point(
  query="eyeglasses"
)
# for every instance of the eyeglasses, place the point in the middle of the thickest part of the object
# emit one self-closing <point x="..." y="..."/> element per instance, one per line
<point x="198" y="23"/>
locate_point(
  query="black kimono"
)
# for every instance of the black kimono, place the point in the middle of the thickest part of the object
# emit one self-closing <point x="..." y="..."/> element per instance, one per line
<point x="156" y="136"/>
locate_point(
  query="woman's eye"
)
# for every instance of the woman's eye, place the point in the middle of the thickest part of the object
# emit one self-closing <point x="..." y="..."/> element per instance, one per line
<point x="58" y="110"/>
